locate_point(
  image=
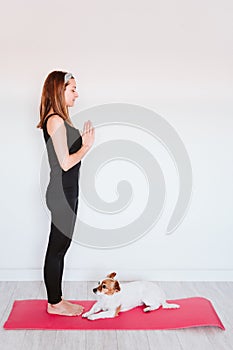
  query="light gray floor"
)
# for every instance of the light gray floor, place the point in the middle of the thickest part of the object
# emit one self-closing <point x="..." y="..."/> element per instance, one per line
<point x="206" y="338"/>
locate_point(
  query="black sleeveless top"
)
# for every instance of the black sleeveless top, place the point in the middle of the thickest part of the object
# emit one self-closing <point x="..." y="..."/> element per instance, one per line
<point x="60" y="180"/>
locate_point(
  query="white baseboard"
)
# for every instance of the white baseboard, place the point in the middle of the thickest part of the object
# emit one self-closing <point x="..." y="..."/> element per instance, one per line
<point x="126" y="275"/>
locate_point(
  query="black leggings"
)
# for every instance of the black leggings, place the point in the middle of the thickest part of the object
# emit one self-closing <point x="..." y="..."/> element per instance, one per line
<point x="63" y="219"/>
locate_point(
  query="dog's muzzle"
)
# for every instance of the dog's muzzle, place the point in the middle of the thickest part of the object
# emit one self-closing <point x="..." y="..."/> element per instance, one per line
<point x="94" y="290"/>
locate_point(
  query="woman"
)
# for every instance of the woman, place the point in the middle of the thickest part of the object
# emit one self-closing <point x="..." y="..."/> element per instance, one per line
<point x="65" y="147"/>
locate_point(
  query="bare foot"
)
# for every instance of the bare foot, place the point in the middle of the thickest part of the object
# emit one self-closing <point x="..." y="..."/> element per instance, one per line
<point x="65" y="308"/>
<point x="79" y="308"/>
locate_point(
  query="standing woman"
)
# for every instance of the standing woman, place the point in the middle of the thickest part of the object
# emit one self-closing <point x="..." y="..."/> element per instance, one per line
<point x="65" y="147"/>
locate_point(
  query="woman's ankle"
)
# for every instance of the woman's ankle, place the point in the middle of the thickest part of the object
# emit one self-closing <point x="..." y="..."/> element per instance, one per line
<point x="56" y="303"/>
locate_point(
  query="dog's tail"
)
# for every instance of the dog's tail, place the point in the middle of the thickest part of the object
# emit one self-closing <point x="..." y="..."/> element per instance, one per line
<point x="166" y="305"/>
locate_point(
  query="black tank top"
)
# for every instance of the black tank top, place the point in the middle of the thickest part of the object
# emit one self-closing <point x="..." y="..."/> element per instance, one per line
<point x="58" y="177"/>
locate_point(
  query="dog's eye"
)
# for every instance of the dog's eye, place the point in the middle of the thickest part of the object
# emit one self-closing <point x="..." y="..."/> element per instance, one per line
<point x="99" y="283"/>
<point x="104" y="286"/>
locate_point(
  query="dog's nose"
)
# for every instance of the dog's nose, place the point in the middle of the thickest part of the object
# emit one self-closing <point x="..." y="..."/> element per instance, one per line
<point x="94" y="290"/>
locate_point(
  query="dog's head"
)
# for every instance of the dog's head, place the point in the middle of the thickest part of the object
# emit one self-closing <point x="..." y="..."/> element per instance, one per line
<point x="108" y="286"/>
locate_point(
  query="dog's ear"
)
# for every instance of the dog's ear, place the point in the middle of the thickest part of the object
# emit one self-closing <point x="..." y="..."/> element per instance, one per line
<point x="117" y="286"/>
<point x="111" y="275"/>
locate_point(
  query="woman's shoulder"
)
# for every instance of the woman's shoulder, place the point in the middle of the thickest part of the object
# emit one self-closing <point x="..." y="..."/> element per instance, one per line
<point x="54" y="118"/>
<point x="54" y="122"/>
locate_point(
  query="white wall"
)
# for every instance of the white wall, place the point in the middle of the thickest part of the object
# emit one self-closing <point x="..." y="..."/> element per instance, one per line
<point x="174" y="57"/>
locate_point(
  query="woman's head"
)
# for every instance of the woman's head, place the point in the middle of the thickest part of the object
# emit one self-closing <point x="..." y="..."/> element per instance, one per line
<point x="70" y="90"/>
<point x="59" y="93"/>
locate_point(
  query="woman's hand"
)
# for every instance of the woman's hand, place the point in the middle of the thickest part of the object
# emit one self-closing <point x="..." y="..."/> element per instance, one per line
<point x="88" y="134"/>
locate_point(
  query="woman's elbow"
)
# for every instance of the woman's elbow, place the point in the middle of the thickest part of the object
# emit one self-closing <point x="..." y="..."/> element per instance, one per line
<point x="65" y="167"/>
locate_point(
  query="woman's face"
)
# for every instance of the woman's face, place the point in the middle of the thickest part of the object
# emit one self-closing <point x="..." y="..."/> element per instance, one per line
<point x="71" y="93"/>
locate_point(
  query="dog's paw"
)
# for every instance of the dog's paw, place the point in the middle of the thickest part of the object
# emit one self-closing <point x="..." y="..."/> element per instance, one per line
<point x="85" y="315"/>
<point x="147" y="309"/>
<point x="91" y="317"/>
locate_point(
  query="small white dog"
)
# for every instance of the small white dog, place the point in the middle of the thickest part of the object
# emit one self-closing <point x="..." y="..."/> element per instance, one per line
<point x="113" y="298"/>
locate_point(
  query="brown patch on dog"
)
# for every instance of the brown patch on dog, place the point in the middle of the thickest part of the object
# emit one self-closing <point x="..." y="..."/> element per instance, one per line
<point x="109" y="286"/>
<point x="111" y="275"/>
<point x="117" y="286"/>
<point x="118" y="309"/>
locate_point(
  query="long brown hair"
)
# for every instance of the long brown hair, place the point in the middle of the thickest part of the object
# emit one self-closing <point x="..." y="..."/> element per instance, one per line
<point x="53" y="97"/>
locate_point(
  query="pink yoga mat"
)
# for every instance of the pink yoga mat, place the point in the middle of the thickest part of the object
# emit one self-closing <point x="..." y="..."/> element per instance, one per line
<point x="193" y="312"/>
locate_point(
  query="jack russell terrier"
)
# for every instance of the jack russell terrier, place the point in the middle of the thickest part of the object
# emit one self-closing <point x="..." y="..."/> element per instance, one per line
<point x="114" y="298"/>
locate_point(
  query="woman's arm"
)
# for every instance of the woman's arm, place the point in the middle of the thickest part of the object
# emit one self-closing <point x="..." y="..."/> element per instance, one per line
<point x="57" y="131"/>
